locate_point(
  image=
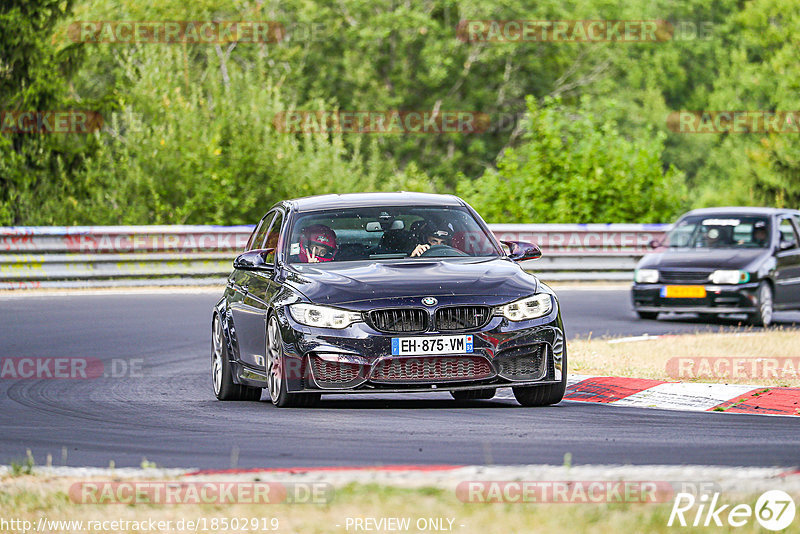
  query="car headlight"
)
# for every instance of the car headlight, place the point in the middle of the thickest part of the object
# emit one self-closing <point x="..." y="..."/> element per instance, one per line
<point x="323" y="316"/>
<point x="645" y="276"/>
<point x="730" y="277"/>
<point x="527" y="308"/>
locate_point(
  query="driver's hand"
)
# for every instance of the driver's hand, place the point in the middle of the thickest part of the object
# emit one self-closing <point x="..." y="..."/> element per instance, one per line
<point x="312" y="258"/>
<point x="420" y="250"/>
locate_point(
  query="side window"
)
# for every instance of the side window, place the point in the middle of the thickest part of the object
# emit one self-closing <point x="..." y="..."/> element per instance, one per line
<point x="257" y="241"/>
<point x="788" y="233"/>
<point x="273" y="236"/>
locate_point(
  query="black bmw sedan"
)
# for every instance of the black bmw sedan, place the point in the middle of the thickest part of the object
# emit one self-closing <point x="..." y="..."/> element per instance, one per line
<point x="724" y="261"/>
<point x="384" y="292"/>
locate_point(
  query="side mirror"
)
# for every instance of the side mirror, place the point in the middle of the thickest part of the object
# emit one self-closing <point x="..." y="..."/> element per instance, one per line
<point x="654" y="243"/>
<point x="786" y="245"/>
<point x="521" y="251"/>
<point x="253" y="260"/>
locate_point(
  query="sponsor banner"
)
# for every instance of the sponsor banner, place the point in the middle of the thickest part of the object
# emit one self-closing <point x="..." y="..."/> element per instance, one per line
<point x="176" y="31"/>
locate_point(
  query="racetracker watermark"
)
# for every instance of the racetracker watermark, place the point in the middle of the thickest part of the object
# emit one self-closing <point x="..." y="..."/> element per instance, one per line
<point x="196" y="492"/>
<point x="50" y="122"/>
<point x="734" y="122"/>
<point x="382" y="122"/>
<point x="155" y="242"/>
<point x="733" y="368"/>
<point x="564" y="31"/>
<point x="176" y="31"/>
<point x="69" y="368"/>
<point x="567" y="491"/>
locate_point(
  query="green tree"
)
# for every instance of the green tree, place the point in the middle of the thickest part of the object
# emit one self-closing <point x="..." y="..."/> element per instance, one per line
<point x="575" y="167"/>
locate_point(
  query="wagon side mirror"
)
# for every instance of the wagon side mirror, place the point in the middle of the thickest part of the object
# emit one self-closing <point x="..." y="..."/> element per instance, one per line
<point x="521" y="251"/>
<point x="786" y="245"/>
<point x="254" y="260"/>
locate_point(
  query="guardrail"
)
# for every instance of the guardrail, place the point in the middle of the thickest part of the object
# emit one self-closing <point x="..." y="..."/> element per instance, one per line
<point x="96" y="256"/>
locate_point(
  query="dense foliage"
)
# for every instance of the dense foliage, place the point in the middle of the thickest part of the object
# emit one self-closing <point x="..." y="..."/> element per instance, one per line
<point x="578" y="131"/>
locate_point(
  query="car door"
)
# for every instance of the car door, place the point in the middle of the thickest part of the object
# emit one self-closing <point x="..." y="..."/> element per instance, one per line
<point x="787" y="276"/>
<point x="248" y="310"/>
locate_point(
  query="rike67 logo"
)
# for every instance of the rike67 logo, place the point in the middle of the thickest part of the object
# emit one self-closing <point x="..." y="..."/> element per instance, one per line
<point x="774" y="510"/>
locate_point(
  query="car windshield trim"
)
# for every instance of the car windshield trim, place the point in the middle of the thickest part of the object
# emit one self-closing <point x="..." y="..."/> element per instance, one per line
<point x="391" y="232"/>
<point x="705" y="232"/>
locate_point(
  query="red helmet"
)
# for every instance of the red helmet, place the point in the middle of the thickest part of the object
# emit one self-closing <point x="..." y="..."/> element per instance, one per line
<point x="319" y="234"/>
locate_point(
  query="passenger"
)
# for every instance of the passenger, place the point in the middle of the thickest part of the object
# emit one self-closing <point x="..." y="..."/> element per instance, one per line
<point x="317" y="243"/>
<point x="434" y="235"/>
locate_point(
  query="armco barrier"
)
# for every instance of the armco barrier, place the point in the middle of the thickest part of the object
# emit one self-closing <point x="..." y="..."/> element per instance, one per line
<point x="94" y="256"/>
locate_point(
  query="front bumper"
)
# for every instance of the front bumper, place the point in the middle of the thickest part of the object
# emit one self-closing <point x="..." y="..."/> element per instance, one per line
<point x="358" y="359"/>
<point x="741" y="298"/>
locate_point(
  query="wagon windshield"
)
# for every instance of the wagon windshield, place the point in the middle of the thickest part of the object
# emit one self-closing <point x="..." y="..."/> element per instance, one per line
<point x="720" y="231"/>
<point x="392" y="232"/>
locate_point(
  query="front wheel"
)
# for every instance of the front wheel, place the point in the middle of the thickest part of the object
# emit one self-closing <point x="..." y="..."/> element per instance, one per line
<point x="276" y="372"/>
<point x="543" y="395"/>
<point x="221" y="377"/>
<point x="764" y="303"/>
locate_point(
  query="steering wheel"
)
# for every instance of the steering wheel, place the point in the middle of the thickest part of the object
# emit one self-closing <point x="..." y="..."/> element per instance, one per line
<point x="442" y="251"/>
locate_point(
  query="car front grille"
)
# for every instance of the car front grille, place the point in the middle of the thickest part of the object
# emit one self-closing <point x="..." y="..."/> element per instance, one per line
<point x="522" y="363"/>
<point x="399" y="320"/>
<point x="684" y="276"/>
<point x="462" y="317"/>
<point x="335" y="374"/>
<point x="431" y="369"/>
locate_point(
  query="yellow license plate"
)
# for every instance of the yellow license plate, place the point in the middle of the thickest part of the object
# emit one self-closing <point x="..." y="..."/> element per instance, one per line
<point x="683" y="292"/>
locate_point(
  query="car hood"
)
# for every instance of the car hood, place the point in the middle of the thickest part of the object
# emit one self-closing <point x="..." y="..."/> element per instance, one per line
<point x="370" y="281"/>
<point x="702" y="259"/>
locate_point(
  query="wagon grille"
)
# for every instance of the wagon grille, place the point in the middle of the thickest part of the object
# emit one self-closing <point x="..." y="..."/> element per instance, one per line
<point x="399" y="320"/>
<point x="684" y="276"/>
<point x="522" y="363"/>
<point x="462" y="317"/>
<point x="431" y="369"/>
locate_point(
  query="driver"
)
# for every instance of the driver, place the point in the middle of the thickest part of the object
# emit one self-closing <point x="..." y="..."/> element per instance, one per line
<point x="760" y="233"/>
<point x="435" y="235"/>
<point x="317" y="243"/>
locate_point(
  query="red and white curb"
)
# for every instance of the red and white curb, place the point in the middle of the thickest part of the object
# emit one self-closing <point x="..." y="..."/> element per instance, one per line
<point x="688" y="396"/>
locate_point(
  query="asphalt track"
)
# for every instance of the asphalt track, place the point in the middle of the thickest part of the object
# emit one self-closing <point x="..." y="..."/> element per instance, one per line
<point x="166" y="412"/>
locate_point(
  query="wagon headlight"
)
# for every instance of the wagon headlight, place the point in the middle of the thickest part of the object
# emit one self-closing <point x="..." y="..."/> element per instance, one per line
<point x="730" y="277"/>
<point x="527" y="308"/>
<point x="323" y="316"/>
<point x="646" y="276"/>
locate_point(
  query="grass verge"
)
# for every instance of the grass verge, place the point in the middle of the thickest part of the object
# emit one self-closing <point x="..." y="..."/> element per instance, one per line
<point x="768" y="358"/>
<point x="28" y="498"/>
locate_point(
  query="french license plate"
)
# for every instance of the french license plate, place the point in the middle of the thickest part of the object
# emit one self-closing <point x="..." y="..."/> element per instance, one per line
<point x="414" y="346"/>
<point x="683" y="292"/>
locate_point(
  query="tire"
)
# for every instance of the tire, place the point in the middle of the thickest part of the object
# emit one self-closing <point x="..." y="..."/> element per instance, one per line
<point x="647" y="315"/>
<point x="473" y="394"/>
<point x="543" y="395"/>
<point x="221" y="377"/>
<point x="764" y="303"/>
<point x="276" y="372"/>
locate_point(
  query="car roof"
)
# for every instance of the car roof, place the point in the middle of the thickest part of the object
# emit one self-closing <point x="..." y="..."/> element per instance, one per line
<point x="364" y="200"/>
<point x="741" y="210"/>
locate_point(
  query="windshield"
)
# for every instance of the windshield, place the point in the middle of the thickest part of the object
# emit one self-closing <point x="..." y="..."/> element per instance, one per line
<point x="395" y="232"/>
<point x="724" y="231"/>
